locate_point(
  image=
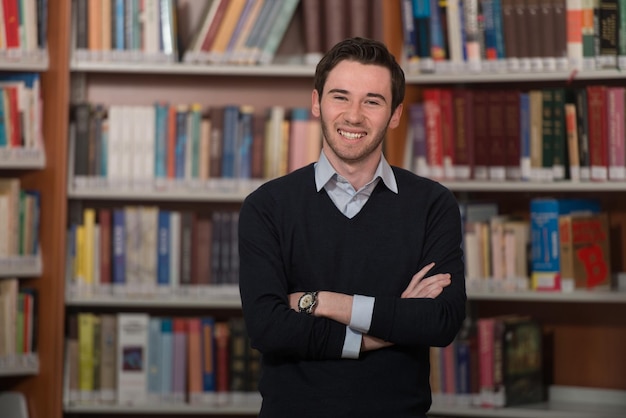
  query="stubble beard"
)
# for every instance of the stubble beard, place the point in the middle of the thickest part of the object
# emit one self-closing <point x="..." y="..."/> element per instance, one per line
<point x="353" y="155"/>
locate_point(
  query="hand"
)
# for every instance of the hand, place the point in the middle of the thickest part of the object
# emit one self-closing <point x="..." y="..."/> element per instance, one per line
<point x="293" y="300"/>
<point x="369" y="343"/>
<point x="431" y="288"/>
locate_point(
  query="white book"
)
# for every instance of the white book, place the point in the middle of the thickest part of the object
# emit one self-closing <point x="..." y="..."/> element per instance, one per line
<point x="149" y="142"/>
<point x="150" y="30"/>
<point x="132" y="358"/>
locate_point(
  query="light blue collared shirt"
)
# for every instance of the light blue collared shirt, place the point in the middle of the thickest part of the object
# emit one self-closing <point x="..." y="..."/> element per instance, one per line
<point x="350" y="202"/>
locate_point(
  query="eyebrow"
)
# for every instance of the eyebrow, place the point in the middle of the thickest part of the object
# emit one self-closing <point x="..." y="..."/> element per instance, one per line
<point x="375" y="95"/>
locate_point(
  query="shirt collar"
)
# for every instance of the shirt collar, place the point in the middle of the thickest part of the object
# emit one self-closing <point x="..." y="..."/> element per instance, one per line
<point x="324" y="171"/>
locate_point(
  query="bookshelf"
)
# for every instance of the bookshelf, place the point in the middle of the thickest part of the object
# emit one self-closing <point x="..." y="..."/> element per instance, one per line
<point x="39" y="377"/>
<point x="578" y="317"/>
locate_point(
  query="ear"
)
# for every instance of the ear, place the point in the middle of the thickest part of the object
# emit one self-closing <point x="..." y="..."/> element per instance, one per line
<point x="395" y="117"/>
<point x="315" y="103"/>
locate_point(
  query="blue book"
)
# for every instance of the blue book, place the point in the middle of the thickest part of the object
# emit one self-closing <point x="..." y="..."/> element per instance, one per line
<point x="154" y="359"/>
<point x="408" y="29"/>
<point x="160" y="146"/>
<point x="3" y="122"/>
<point x="544" y="238"/>
<point x="167" y="361"/>
<point x="118" y="26"/>
<point x="163" y="249"/>
<point x="229" y="140"/>
<point x="244" y="146"/>
<point x="181" y="141"/>
<point x="421" y="16"/>
<point x="119" y="247"/>
<point x="207" y="344"/>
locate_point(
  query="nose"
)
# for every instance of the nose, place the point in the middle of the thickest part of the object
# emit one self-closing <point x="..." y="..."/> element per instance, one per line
<point x="353" y="113"/>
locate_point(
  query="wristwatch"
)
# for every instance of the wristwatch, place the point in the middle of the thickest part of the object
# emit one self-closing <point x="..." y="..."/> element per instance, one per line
<point x="307" y="302"/>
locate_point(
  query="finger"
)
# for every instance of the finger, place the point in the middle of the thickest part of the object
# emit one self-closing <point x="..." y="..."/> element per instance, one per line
<point x="426" y="288"/>
<point x="417" y="277"/>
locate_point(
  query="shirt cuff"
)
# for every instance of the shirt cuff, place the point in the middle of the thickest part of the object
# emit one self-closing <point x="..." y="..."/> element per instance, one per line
<point x="362" y="310"/>
<point x="352" y="344"/>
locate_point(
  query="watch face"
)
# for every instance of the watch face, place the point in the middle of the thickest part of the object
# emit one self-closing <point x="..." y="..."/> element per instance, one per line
<point x="306" y="301"/>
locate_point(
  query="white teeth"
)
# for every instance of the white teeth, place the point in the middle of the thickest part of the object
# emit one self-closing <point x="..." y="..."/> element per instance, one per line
<point x="351" y="135"/>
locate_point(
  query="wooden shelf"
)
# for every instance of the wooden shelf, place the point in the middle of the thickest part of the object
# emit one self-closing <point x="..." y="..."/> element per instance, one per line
<point x="533" y="296"/>
<point x="192" y="297"/>
<point x="27" y="266"/>
<point x="18" y="60"/>
<point x="275" y="70"/>
<point x="19" y="365"/>
<point x="512" y="77"/>
<point x="535" y="187"/>
<point x="22" y="158"/>
<point x="220" y="190"/>
<point x="247" y="408"/>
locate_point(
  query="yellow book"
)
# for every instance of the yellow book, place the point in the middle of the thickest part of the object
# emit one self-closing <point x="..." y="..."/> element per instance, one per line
<point x="86" y="355"/>
<point x="89" y="222"/>
<point x="79" y="258"/>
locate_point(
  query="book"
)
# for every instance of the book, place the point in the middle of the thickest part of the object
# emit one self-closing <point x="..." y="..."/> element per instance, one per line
<point x="544" y="218"/>
<point x="108" y="359"/>
<point x="585" y="256"/>
<point x="312" y="13"/>
<point x="522" y="362"/>
<point x="194" y="357"/>
<point x="132" y="358"/>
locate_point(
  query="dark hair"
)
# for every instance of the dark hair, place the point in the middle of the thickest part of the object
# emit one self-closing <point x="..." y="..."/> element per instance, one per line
<point x="364" y="51"/>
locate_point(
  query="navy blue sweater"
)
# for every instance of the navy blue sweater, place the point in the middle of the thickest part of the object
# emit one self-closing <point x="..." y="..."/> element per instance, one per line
<point x="292" y="238"/>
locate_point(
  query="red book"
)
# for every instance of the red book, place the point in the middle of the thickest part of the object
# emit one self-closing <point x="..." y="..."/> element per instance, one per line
<point x="214" y="25"/>
<point x="481" y="136"/>
<point x="496" y="135"/>
<point x="171" y="142"/>
<point x="463" y="102"/>
<point x="11" y="23"/>
<point x="222" y="348"/>
<point x="512" y="134"/>
<point x="596" y="108"/>
<point x="434" y="133"/>
<point x="447" y="133"/>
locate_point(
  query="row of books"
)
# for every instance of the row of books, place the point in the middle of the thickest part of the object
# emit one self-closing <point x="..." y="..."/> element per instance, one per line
<point x="23" y="24"/>
<point x="548" y="134"/>
<point x="138" y="249"/>
<point x="18" y="320"/>
<point x="136" y="359"/>
<point x="140" y="146"/>
<point x="529" y="35"/>
<point x="20" y="111"/>
<point x="19" y="219"/>
<point x="563" y="246"/>
<point x="241" y="31"/>
<point x="121" y="30"/>
<point x="494" y="362"/>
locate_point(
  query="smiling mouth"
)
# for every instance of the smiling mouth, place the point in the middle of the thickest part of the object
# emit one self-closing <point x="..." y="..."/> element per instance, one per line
<point x="351" y="135"/>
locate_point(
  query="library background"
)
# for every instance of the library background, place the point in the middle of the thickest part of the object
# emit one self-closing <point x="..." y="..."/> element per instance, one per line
<point x="132" y="130"/>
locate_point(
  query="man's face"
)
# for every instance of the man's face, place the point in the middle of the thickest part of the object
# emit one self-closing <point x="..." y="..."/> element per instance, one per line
<point x="355" y="111"/>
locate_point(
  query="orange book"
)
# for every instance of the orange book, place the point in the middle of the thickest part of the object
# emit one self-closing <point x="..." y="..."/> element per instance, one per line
<point x="94" y="22"/>
<point x="194" y="361"/>
<point x="226" y="29"/>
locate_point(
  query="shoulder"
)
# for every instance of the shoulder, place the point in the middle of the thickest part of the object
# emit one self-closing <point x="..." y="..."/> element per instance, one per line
<point x="281" y="188"/>
<point x="409" y="182"/>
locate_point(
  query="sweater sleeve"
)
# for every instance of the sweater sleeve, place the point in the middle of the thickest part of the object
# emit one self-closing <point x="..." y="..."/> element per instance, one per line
<point x="274" y="328"/>
<point x="424" y="321"/>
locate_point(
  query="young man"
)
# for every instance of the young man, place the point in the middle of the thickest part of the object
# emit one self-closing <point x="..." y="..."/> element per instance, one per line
<point x="334" y="259"/>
